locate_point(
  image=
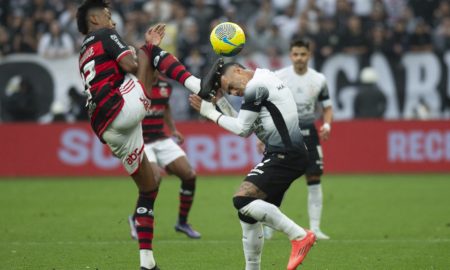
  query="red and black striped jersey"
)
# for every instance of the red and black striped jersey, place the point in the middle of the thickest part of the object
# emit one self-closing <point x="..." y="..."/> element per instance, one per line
<point x="99" y="59"/>
<point x="153" y="123"/>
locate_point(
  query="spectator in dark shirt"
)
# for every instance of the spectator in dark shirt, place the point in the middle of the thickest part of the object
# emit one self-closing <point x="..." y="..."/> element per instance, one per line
<point x="21" y="101"/>
<point x="420" y="40"/>
<point x="354" y="39"/>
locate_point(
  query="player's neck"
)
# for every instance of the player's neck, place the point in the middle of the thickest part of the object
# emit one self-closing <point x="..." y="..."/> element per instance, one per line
<point x="301" y="71"/>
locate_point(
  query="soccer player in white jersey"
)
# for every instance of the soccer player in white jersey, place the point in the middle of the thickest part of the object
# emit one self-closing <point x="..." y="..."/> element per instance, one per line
<point x="309" y="88"/>
<point x="267" y="101"/>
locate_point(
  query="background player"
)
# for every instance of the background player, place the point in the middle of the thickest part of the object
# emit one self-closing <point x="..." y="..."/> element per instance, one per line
<point x="309" y="88"/>
<point x="163" y="152"/>
<point x="267" y="99"/>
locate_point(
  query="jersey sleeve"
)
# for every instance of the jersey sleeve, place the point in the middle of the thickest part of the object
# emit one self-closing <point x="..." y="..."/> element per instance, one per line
<point x="114" y="45"/>
<point x="324" y="96"/>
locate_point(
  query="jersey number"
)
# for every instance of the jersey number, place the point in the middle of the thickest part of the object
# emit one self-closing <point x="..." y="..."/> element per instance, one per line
<point x="88" y="73"/>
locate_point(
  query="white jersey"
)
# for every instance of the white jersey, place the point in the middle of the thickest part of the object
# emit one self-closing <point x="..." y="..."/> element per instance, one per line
<point x="268" y="101"/>
<point x="308" y="90"/>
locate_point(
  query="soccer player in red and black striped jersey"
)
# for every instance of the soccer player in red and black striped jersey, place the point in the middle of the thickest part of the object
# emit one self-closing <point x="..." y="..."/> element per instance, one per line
<point x="164" y="152"/>
<point x="117" y="103"/>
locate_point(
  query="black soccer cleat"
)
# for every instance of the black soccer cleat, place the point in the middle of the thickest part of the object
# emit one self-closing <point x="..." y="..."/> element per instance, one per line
<point x="211" y="82"/>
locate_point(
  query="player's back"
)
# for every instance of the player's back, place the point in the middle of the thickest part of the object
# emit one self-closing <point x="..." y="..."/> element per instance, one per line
<point x="99" y="60"/>
<point x="99" y="57"/>
<point x="278" y="113"/>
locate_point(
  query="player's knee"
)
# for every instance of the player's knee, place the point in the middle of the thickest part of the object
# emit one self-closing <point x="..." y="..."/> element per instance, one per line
<point x="246" y="219"/>
<point x="241" y="201"/>
<point x="313" y="179"/>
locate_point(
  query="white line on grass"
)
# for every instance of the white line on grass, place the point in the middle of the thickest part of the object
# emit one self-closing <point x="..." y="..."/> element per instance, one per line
<point x="191" y="242"/>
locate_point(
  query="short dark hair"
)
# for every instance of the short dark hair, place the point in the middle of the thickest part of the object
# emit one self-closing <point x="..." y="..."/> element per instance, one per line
<point x="83" y="11"/>
<point x="223" y="69"/>
<point x="226" y="66"/>
<point x="300" y="43"/>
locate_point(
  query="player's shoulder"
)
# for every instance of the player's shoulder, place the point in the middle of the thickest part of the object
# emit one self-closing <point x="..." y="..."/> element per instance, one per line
<point x="316" y="73"/>
<point x="259" y="85"/>
<point x="284" y="71"/>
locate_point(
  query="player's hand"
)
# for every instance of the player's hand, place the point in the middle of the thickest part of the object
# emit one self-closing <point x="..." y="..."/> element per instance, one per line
<point x="207" y="109"/>
<point x="133" y="52"/>
<point x="155" y="34"/>
<point x="179" y="138"/>
<point x="196" y="102"/>
<point x="324" y="132"/>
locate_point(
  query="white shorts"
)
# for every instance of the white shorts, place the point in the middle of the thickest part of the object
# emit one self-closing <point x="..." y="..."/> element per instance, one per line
<point x="163" y="152"/>
<point x="124" y="134"/>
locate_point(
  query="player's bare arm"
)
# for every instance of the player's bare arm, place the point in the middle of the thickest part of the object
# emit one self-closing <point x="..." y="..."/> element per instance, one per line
<point x="146" y="72"/>
<point x="325" y="129"/>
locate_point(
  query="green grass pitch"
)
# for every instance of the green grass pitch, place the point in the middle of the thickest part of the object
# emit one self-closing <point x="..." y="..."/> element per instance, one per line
<point x="376" y="222"/>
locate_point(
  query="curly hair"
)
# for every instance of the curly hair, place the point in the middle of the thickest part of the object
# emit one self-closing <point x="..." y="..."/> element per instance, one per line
<point x="83" y="11"/>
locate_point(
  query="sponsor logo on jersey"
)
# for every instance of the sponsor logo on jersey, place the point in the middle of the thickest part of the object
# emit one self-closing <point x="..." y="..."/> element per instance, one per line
<point x="164" y="92"/>
<point x="117" y="41"/>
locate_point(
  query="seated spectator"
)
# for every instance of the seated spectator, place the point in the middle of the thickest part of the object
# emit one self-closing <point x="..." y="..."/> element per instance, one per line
<point x="442" y="35"/>
<point x="378" y="41"/>
<point x="25" y="40"/>
<point x="5" y="42"/>
<point x="327" y="39"/>
<point x="55" y="44"/>
<point x="21" y="101"/>
<point x="420" y="40"/>
<point x="354" y="40"/>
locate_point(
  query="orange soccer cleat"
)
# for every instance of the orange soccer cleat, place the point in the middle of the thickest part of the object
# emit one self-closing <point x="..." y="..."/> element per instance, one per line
<point x="299" y="250"/>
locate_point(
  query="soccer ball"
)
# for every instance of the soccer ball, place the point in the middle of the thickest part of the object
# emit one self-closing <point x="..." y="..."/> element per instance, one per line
<point x="227" y="39"/>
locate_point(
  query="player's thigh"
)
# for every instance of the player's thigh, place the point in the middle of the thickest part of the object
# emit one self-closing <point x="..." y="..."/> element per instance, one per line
<point x="167" y="151"/>
<point x="127" y="145"/>
<point x="181" y="168"/>
<point x="274" y="175"/>
<point x="145" y="177"/>
<point x="135" y="104"/>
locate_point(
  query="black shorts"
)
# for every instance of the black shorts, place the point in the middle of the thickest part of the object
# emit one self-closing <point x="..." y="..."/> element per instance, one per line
<point x="276" y="172"/>
<point x="311" y="138"/>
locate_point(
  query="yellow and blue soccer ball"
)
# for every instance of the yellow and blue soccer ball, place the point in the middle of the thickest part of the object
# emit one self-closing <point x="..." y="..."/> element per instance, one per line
<point x="227" y="39"/>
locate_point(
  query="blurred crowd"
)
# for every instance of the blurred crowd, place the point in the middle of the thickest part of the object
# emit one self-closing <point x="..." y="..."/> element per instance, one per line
<point x="360" y="27"/>
<point x="48" y="27"/>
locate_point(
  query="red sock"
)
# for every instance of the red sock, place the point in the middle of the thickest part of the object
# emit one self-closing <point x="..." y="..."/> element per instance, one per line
<point x="186" y="199"/>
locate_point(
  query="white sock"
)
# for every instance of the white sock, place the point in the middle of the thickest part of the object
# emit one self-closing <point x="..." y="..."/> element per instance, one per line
<point x="270" y="214"/>
<point x="147" y="259"/>
<point x="252" y="241"/>
<point x="193" y="84"/>
<point x="314" y="205"/>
